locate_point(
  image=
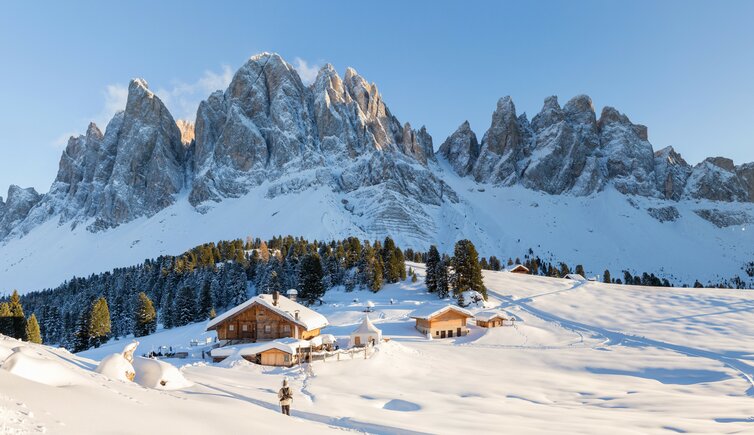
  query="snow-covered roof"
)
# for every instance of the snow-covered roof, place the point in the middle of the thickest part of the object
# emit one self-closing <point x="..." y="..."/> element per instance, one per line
<point x="287" y="345"/>
<point x="427" y="312"/>
<point x="285" y="307"/>
<point x="486" y="316"/>
<point x="322" y="339"/>
<point x="575" y="277"/>
<point x="366" y="327"/>
<point x="516" y="266"/>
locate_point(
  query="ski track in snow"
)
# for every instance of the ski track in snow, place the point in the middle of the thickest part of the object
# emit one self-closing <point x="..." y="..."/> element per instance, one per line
<point x="616" y="338"/>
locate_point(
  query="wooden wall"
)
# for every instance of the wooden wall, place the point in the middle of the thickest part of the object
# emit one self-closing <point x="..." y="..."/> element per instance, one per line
<point x="448" y="321"/>
<point x="257" y="322"/>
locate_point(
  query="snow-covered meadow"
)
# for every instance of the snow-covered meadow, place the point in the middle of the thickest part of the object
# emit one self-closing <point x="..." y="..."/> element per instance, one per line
<point x="581" y="358"/>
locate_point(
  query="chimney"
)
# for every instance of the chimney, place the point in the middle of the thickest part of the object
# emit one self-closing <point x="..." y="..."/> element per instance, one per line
<point x="292" y="294"/>
<point x="295" y="314"/>
<point x="275" y="297"/>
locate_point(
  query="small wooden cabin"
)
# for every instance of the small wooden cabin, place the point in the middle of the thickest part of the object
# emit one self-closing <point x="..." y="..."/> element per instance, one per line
<point x="517" y="268"/>
<point x="490" y="319"/>
<point x="267" y="317"/>
<point x="285" y="352"/>
<point x="444" y="322"/>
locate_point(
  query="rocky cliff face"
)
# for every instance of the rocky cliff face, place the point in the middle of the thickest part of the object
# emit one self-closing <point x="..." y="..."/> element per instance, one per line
<point x="268" y="128"/>
<point x="569" y="150"/>
<point x="15" y="209"/>
<point x="461" y="149"/>
<point x="132" y="170"/>
<point x="717" y="179"/>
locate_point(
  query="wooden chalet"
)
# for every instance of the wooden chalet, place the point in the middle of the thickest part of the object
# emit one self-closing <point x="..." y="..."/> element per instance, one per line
<point x="443" y="322"/>
<point x="267" y="317"/>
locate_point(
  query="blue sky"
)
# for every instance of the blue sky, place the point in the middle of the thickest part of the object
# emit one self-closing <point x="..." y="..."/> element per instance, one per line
<point x="683" y="68"/>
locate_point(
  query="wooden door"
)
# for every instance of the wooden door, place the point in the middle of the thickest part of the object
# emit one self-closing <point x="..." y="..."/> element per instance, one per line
<point x="442" y="334"/>
<point x="357" y="341"/>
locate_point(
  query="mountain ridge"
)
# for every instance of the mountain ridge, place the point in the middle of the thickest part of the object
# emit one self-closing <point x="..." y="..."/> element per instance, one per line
<point x="269" y="137"/>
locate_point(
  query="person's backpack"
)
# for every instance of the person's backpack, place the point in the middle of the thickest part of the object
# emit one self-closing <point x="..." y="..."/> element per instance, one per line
<point x="287" y="393"/>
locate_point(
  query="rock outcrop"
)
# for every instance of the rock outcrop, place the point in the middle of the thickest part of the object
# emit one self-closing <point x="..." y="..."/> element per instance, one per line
<point x="461" y="149"/>
<point x="269" y="128"/>
<point x="671" y="173"/>
<point x="569" y="150"/>
<point x="16" y="208"/>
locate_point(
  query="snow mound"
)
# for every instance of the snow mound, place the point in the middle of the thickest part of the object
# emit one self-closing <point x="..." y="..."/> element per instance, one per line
<point x="116" y="366"/>
<point x="473" y="299"/>
<point x="152" y="373"/>
<point x="234" y="360"/>
<point x="5" y="352"/>
<point x="26" y="363"/>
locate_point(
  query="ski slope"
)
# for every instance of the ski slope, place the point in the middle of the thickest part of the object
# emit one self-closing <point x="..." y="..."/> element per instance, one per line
<point x="582" y="358"/>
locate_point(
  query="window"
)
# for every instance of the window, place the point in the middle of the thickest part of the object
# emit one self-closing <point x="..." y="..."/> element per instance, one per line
<point x="231" y="327"/>
<point x="267" y="329"/>
<point x="244" y="327"/>
<point x="287" y="358"/>
<point x="437" y="332"/>
<point x="286" y="328"/>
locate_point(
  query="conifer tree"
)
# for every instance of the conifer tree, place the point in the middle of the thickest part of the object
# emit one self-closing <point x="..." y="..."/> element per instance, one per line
<point x="81" y="341"/>
<point x="185" y="306"/>
<point x="205" y="299"/>
<point x="145" y="317"/>
<point x="310" y="279"/>
<point x="99" y="323"/>
<point x="580" y="270"/>
<point x="33" y="334"/>
<point x="433" y="259"/>
<point x="167" y="310"/>
<point x="5" y="319"/>
<point x="18" y="320"/>
<point x="443" y="279"/>
<point x="467" y="274"/>
<point x="606" y="277"/>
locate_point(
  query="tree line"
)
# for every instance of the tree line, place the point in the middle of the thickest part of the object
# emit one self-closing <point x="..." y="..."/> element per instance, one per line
<point x="207" y="279"/>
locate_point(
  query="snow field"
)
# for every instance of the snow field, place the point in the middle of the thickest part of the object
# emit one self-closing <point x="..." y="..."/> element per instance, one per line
<point x="582" y="358"/>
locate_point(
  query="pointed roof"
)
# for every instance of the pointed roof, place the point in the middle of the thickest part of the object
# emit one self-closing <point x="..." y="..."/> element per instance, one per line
<point x="307" y="318"/>
<point x="366" y="327"/>
<point x="432" y="310"/>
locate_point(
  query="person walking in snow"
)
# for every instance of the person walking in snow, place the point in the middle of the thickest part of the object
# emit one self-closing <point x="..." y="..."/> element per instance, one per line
<point x="285" y="395"/>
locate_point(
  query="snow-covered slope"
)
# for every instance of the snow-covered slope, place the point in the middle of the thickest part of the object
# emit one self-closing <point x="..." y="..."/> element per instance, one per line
<point x="582" y="358"/>
<point x="603" y="231"/>
<point x="329" y="160"/>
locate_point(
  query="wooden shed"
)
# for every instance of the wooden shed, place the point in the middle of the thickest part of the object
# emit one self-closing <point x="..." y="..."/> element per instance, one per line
<point x="284" y="352"/>
<point x="442" y="322"/>
<point x="491" y="319"/>
<point x="517" y="268"/>
<point x="267" y="317"/>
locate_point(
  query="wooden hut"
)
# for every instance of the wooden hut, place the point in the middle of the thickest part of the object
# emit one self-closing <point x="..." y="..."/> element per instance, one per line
<point x="490" y="319"/>
<point x="284" y="352"/>
<point x="517" y="268"/>
<point x="447" y="321"/>
<point x="267" y="317"/>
